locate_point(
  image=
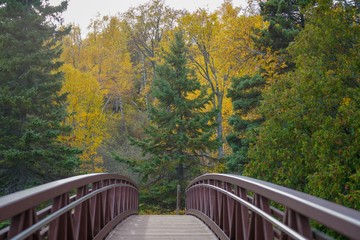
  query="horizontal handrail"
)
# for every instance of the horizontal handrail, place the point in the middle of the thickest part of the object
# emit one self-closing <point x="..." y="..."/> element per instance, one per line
<point x="222" y="199"/>
<point x="96" y="210"/>
<point x="18" y="202"/>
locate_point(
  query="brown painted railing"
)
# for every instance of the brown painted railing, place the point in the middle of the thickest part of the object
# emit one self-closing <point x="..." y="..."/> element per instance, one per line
<point x="81" y="207"/>
<point x="237" y="207"/>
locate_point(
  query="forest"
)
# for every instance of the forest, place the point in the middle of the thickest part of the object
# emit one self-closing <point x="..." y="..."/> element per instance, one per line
<point x="270" y="91"/>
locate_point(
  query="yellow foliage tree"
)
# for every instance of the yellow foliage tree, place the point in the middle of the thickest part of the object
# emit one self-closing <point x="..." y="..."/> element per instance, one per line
<point x="147" y="25"/>
<point x="104" y="54"/>
<point x="73" y="48"/>
<point x="85" y="101"/>
<point x="116" y="74"/>
<point x="222" y="48"/>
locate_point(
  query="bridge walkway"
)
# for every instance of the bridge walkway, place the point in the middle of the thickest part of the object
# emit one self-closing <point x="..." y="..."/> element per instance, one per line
<point x="153" y="227"/>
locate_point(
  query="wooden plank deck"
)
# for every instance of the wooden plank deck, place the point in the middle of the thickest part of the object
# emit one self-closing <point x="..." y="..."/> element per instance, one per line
<point x="169" y="227"/>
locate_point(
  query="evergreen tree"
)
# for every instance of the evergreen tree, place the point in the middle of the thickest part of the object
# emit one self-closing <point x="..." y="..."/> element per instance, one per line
<point x="286" y="19"/>
<point x="180" y="131"/>
<point x="310" y="139"/>
<point x="31" y="111"/>
<point x="245" y="94"/>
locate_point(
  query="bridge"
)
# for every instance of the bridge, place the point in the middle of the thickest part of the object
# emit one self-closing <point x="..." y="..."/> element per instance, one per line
<point x="218" y="206"/>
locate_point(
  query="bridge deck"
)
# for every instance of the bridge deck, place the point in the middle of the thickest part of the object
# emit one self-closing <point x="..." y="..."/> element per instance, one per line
<point x="170" y="227"/>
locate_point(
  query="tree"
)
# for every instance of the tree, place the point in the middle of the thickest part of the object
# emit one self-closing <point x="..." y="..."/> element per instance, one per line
<point x="104" y="54"/>
<point x="310" y="139"/>
<point x="73" y="48"/>
<point x="146" y="26"/>
<point x="245" y="94"/>
<point x="109" y="60"/>
<point x="286" y="19"/>
<point x="213" y="36"/>
<point x="180" y="132"/>
<point x="86" y="117"/>
<point x="32" y="110"/>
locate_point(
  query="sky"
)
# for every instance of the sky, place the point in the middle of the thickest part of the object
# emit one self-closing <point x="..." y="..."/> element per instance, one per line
<point x="81" y="12"/>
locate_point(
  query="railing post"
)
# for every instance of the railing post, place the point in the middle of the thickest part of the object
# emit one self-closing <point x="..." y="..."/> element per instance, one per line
<point x="177" y="199"/>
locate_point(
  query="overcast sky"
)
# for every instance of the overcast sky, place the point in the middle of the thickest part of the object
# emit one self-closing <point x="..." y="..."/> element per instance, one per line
<point x="81" y="11"/>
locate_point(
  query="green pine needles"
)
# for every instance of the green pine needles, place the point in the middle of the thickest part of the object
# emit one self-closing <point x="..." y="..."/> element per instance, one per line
<point x="181" y="131"/>
<point x="245" y="94"/>
<point x="32" y="111"/>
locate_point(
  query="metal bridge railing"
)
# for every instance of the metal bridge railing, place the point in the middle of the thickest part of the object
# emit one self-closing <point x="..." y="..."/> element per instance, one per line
<point x="237" y="207"/>
<point x="81" y="207"/>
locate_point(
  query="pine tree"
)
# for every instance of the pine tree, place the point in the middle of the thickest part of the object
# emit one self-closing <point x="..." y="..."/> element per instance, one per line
<point x="245" y="94"/>
<point x="286" y="19"/>
<point x="31" y="111"/>
<point x="180" y="132"/>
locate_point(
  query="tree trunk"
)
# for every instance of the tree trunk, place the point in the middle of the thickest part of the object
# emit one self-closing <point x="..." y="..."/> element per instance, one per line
<point x="219" y="130"/>
<point x="121" y="109"/>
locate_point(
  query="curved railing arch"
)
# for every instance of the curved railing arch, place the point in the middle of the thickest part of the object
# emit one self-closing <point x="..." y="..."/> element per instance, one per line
<point x="237" y="207"/>
<point x="81" y="207"/>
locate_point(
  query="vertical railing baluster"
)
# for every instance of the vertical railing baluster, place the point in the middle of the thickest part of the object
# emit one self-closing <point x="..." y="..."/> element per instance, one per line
<point x="105" y="205"/>
<point x="62" y="227"/>
<point x="225" y="218"/>
<point x="123" y="199"/>
<point x="130" y="198"/>
<point x="244" y="214"/>
<point x="82" y="217"/>
<point x="207" y="200"/>
<point x="259" y="227"/>
<point x="196" y="190"/>
<point x="188" y="200"/>
<point x="219" y="205"/>
<point x="134" y="197"/>
<point x="193" y="199"/>
<point x="211" y="200"/>
<point x="201" y="198"/>
<point x="117" y="199"/>
<point x="120" y="200"/>
<point x="126" y="198"/>
<point x="21" y="222"/>
<point x="97" y="209"/>
<point x="230" y="212"/>
<point x="112" y="207"/>
<point x="298" y="222"/>
<point x="239" y="235"/>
